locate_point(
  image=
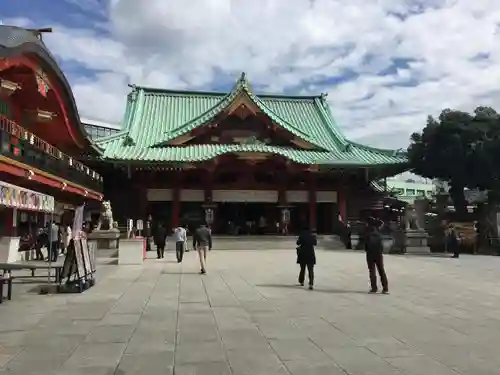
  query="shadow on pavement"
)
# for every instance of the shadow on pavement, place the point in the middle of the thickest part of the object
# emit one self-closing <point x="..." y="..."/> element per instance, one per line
<point x="318" y="290"/>
<point x="180" y="273"/>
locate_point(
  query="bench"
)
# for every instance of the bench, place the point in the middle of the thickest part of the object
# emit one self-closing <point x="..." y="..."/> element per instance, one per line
<point x="9" y="267"/>
<point x="5" y="280"/>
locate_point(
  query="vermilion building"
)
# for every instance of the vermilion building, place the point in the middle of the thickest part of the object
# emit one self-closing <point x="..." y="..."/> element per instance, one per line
<point x="244" y="162"/>
<point x="41" y="137"/>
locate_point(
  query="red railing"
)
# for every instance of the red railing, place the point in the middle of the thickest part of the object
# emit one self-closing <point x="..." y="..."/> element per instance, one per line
<point x="19" y="132"/>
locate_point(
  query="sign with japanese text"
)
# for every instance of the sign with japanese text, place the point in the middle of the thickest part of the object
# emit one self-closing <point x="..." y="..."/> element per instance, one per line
<point x="24" y="199"/>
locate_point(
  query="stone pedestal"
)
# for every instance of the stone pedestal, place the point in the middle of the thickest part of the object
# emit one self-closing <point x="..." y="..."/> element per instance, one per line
<point x="9" y="249"/>
<point x="416" y="242"/>
<point x="106" y="239"/>
<point x="131" y="251"/>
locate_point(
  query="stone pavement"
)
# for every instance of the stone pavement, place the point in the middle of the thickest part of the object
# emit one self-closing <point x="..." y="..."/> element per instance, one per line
<point x="246" y="317"/>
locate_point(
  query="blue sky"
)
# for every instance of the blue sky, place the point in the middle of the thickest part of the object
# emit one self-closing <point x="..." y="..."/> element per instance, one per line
<point x="386" y="65"/>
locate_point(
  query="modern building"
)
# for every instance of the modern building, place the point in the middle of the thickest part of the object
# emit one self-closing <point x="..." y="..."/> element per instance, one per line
<point x="99" y="129"/>
<point x="408" y="188"/>
<point x="238" y="160"/>
<point x="42" y="139"/>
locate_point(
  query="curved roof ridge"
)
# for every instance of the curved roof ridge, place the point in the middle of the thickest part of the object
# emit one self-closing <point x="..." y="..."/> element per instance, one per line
<point x="383" y="151"/>
<point x="111" y="137"/>
<point x="246" y="87"/>
<point x="207" y="115"/>
<point x="242" y="85"/>
<point x="15" y="41"/>
<point x="328" y="119"/>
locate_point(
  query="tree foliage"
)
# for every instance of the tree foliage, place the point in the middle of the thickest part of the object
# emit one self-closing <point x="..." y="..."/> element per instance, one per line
<point x="460" y="148"/>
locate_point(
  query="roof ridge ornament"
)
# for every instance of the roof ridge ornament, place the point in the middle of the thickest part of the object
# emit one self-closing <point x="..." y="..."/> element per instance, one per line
<point x="323" y="96"/>
<point x="133" y="94"/>
<point x="243" y="81"/>
<point x="398" y="152"/>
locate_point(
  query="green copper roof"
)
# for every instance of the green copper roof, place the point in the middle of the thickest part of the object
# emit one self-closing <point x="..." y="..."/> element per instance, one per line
<point x="153" y="117"/>
<point x="114" y="150"/>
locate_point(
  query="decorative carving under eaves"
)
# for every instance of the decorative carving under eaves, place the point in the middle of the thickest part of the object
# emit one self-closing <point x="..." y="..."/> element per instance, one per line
<point x="40" y="115"/>
<point x="7" y="88"/>
<point x="253" y="140"/>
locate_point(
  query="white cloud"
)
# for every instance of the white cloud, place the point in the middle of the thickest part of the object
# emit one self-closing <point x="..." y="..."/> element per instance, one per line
<point x="294" y="44"/>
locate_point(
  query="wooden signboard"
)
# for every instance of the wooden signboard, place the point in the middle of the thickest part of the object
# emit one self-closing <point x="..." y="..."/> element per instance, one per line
<point x="80" y="263"/>
<point x="69" y="266"/>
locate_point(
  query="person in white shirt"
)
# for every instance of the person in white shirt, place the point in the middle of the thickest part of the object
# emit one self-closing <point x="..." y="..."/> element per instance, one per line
<point x="180" y="238"/>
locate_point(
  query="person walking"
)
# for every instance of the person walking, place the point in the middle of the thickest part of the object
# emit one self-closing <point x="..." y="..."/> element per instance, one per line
<point x="42" y="240"/>
<point x="452" y="241"/>
<point x="375" y="259"/>
<point x="202" y="242"/>
<point x="54" y="242"/>
<point x="180" y="241"/>
<point x="348" y="236"/>
<point x="160" y="239"/>
<point x="306" y="257"/>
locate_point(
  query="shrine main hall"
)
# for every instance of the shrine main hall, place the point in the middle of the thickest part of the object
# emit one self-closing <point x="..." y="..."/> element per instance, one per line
<point x="244" y="162"/>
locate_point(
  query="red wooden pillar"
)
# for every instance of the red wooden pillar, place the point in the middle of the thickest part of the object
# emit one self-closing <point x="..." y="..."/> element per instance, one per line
<point x="8" y="222"/>
<point x="176" y="207"/>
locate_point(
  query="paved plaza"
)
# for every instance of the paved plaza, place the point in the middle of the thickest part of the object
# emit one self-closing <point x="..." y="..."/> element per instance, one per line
<point x="247" y="317"/>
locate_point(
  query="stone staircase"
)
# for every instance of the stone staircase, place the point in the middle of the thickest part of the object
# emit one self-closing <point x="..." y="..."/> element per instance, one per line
<point x="267" y="243"/>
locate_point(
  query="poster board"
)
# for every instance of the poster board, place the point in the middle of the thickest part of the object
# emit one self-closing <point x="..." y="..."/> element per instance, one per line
<point x="92" y="246"/>
<point x="80" y="265"/>
<point x="69" y="267"/>
<point x="86" y="257"/>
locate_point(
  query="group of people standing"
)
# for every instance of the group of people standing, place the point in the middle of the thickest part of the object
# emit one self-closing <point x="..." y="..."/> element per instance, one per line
<point x="202" y="242"/>
<point x="55" y="237"/>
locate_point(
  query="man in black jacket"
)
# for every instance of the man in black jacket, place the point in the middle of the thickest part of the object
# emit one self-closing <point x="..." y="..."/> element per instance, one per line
<point x="202" y="242"/>
<point x="375" y="259"/>
<point x="306" y="256"/>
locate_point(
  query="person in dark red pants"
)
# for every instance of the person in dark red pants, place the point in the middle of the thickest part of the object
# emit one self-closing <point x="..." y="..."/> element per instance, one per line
<point x="375" y="260"/>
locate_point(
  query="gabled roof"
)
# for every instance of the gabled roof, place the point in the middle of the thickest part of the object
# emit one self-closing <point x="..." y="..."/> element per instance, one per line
<point x="154" y="117"/>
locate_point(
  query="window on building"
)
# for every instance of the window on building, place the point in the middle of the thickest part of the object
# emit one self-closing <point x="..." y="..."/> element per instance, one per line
<point x="410" y="192"/>
<point x="429" y="193"/>
<point x="399" y="191"/>
<point x="421" y="193"/>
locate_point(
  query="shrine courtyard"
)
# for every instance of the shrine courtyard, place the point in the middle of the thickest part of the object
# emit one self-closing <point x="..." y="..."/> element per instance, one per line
<point x="246" y="317"/>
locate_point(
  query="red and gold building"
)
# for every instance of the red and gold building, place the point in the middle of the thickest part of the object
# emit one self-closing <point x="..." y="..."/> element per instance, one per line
<point x="41" y="137"/>
<point x="243" y="162"/>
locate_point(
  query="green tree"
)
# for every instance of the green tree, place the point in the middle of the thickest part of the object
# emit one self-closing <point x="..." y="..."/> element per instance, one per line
<point x="460" y="149"/>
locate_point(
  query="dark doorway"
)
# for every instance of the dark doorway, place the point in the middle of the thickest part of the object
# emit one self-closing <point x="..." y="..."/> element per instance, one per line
<point x="192" y="214"/>
<point x="234" y="218"/>
<point x="327" y="218"/>
<point x="299" y="217"/>
<point x="161" y="212"/>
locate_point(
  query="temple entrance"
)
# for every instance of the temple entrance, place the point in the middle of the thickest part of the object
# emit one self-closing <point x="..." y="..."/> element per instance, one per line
<point x="250" y="218"/>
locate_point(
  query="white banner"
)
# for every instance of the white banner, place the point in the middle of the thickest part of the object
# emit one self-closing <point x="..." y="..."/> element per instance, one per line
<point x="25" y="199"/>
